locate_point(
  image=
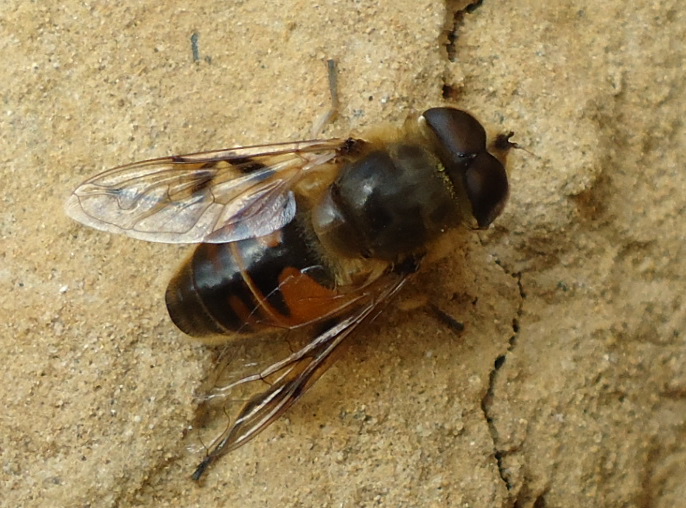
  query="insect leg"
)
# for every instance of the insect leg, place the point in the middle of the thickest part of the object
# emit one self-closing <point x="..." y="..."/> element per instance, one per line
<point x="445" y="318"/>
<point x="331" y="114"/>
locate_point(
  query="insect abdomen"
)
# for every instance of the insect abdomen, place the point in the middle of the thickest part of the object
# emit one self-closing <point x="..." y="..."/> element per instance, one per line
<point x="250" y="285"/>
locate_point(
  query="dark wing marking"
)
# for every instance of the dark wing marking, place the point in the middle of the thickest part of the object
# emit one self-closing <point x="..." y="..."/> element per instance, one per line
<point x="212" y="197"/>
<point x="289" y="378"/>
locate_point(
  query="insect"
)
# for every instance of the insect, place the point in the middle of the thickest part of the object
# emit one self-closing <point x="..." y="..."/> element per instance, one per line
<point x="312" y="235"/>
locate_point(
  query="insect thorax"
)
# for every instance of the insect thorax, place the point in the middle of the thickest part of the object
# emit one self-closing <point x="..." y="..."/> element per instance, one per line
<point x="388" y="204"/>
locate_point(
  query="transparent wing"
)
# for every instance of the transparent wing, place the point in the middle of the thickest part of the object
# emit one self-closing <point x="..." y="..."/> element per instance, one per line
<point x="211" y="197"/>
<point x="287" y="380"/>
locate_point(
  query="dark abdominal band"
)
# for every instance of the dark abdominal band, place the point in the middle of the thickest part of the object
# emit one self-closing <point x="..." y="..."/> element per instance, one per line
<point x="212" y="292"/>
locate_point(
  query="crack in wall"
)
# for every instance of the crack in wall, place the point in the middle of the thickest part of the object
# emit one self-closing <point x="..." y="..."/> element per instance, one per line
<point x="487" y="401"/>
<point x="455" y="14"/>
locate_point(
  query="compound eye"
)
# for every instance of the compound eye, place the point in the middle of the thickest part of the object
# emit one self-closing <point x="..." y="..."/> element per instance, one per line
<point x="461" y="146"/>
<point x="460" y="136"/>
<point x="485" y="182"/>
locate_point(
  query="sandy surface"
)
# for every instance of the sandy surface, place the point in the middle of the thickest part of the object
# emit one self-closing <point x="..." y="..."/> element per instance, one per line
<point x="568" y="386"/>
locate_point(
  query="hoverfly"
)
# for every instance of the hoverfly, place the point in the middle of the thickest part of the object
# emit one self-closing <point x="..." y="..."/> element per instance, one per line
<point x="313" y="235"/>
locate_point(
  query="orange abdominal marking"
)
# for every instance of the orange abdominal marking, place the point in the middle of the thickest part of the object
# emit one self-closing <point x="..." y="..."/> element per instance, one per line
<point x="308" y="300"/>
<point x="241" y="310"/>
